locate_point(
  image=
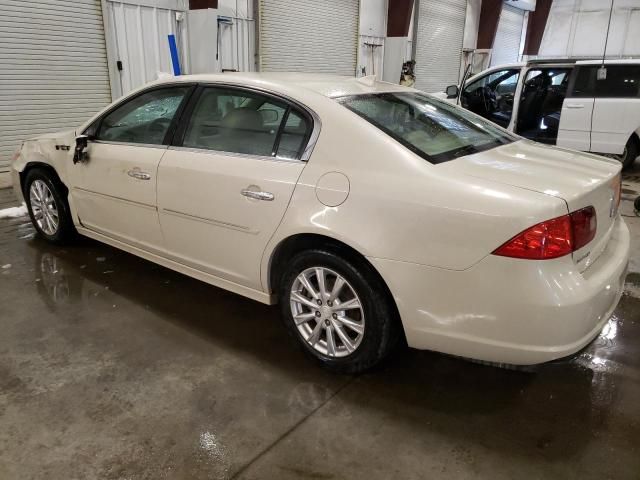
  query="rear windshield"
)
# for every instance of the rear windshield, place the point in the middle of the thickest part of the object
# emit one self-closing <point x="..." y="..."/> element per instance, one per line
<point x="435" y="130"/>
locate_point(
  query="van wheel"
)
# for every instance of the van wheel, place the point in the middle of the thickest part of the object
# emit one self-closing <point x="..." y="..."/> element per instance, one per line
<point x="48" y="207"/>
<point x="338" y="311"/>
<point x="631" y="152"/>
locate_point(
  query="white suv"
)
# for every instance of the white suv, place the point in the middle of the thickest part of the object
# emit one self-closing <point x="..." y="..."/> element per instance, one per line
<point x="567" y="103"/>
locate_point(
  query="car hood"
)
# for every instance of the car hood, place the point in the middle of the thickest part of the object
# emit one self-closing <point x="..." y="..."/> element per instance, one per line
<point x="53" y="136"/>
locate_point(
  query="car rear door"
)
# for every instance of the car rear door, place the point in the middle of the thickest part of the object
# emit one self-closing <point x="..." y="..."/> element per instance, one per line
<point x="225" y="185"/>
<point x="577" y="110"/>
<point x="114" y="189"/>
<point x="616" y="112"/>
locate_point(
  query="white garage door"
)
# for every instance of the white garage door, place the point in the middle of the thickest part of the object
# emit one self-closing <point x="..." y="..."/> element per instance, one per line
<point x="506" y="46"/>
<point x="439" y="45"/>
<point x="53" y="71"/>
<point x="309" y="36"/>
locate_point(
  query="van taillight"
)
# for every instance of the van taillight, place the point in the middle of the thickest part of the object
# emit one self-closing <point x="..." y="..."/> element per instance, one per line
<point x="553" y="238"/>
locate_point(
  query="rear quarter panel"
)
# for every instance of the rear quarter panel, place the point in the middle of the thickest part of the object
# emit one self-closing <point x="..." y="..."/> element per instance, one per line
<point x="400" y="206"/>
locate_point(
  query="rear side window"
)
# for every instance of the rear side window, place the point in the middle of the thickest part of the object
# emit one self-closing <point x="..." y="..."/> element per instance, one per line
<point x="233" y="121"/>
<point x="293" y="135"/>
<point x="585" y="82"/>
<point x="622" y="82"/>
<point x="239" y="121"/>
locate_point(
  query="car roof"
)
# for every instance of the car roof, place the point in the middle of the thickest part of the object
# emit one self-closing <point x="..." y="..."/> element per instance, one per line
<point x="625" y="61"/>
<point x="325" y="84"/>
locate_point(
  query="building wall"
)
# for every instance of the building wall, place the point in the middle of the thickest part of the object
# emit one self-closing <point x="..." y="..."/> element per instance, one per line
<point x="578" y="28"/>
<point x="371" y="39"/>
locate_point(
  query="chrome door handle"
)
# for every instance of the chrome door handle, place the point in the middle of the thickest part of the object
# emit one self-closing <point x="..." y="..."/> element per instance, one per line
<point x="257" y="195"/>
<point x="574" y="105"/>
<point x="136" y="173"/>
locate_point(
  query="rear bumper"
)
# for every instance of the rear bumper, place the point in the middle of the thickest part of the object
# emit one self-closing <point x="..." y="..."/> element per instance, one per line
<point x="509" y="311"/>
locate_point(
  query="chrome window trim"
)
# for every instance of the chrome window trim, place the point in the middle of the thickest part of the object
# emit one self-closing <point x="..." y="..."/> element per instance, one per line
<point x="130" y="144"/>
<point x="317" y="123"/>
<point x="265" y="158"/>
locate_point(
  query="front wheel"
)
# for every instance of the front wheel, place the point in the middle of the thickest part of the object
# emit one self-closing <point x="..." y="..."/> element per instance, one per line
<point x="48" y="206"/>
<point x="338" y="310"/>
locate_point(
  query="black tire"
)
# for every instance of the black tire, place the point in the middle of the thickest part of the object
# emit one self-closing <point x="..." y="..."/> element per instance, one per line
<point x="65" y="231"/>
<point x="631" y="152"/>
<point x="382" y="330"/>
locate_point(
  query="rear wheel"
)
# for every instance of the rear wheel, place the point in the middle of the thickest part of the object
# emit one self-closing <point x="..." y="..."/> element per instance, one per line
<point x="338" y="311"/>
<point x="48" y="207"/>
<point x="631" y="152"/>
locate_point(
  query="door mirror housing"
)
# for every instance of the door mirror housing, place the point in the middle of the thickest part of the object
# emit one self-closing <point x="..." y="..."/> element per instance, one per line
<point x="82" y="141"/>
<point x="80" y="154"/>
<point x="452" y="91"/>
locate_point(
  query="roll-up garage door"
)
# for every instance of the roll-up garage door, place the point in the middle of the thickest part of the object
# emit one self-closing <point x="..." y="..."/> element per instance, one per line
<point x="53" y="71"/>
<point x="309" y="36"/>
<point x="506" y="46"/>
<point x="439" y="43"/>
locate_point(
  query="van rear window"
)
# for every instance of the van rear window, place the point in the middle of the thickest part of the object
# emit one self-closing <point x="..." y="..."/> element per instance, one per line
<point x="623" y="81"/>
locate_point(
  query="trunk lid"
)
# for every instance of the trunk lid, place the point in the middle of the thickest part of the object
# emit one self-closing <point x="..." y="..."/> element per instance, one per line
<point x="580" y="179"/>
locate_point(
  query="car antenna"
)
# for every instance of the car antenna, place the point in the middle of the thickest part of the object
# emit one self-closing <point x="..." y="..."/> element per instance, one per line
<point x="602" y="71"/>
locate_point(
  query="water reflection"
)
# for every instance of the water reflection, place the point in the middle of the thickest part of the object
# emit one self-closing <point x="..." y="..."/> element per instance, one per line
<point x="430" y="392"/>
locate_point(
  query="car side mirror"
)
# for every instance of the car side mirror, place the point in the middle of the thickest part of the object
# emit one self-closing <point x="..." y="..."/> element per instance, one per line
<point x="80" y="154"/>
<point x="452" y="91"/>
<point x="269" y="115"/>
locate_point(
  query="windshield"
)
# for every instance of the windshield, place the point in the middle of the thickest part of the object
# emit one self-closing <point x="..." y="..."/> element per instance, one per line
<point x="435" y="130"/>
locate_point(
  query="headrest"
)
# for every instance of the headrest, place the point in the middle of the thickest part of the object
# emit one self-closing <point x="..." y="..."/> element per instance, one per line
<point x="243" y="119"/>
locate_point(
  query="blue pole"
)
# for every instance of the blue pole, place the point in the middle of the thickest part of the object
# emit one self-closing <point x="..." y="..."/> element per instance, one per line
<point x="175" y="60"/>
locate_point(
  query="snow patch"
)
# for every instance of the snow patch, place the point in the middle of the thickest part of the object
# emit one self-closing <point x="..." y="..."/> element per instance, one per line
<point x="14" y="212"/>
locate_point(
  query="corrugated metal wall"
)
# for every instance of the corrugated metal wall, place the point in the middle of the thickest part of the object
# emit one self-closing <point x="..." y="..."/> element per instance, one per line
<point x="309" y="36"/>
<point x="439" y="43"/>
<point x="506" y="46"/>
<point x="237" y="35"/>
<point x="54" y="67"/>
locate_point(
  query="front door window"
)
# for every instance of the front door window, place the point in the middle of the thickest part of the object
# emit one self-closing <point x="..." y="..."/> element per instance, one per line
<point x="492" y="96"/>
<point x="144" y="119"/>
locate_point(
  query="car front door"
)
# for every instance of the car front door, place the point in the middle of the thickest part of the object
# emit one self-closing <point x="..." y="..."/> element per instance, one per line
<point x="492" y="96"/>
<point x="577" y="109"/>
<point x="114" y="188"/>
<point x="226" y="184"/>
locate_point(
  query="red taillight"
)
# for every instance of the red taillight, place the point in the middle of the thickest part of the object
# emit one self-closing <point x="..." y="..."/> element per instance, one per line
<point x="585" y="225"/>
<point x="617" y="190"/>
<point x="553" y="238"/>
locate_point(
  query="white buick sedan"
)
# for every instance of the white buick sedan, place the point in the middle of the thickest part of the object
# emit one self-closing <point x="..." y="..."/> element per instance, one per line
<point x="371" y="212"/>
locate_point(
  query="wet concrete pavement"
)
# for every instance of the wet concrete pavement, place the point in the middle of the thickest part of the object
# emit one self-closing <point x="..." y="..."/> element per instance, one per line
<point x="114" y="368"/>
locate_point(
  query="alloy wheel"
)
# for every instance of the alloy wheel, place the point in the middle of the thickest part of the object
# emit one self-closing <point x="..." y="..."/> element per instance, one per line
<point x="327" y="312"/>
<point x="43" y="207"/>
